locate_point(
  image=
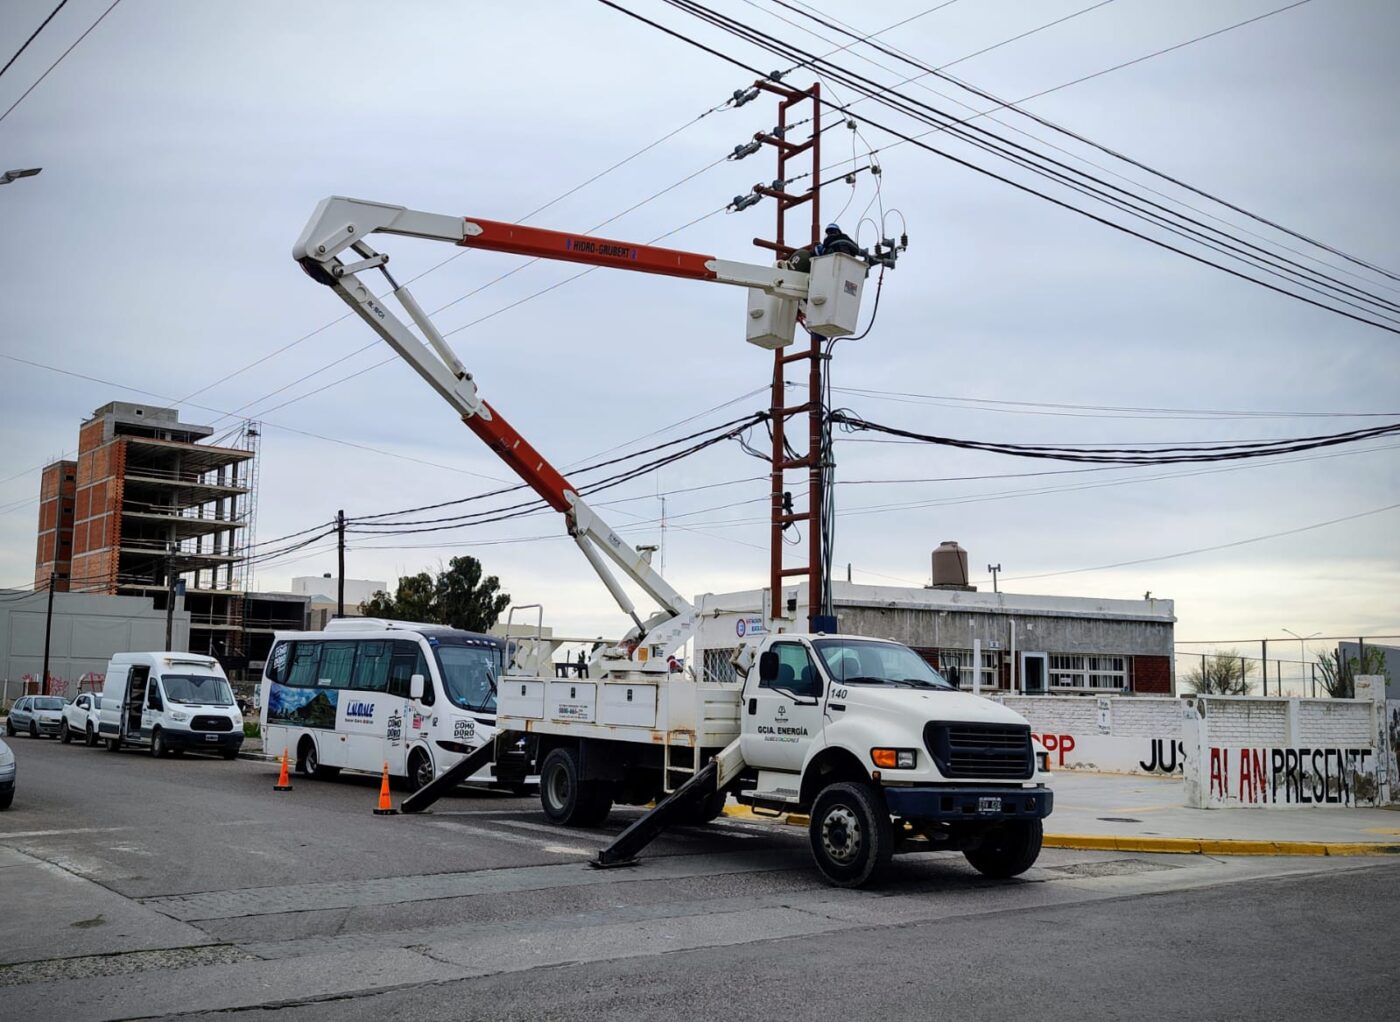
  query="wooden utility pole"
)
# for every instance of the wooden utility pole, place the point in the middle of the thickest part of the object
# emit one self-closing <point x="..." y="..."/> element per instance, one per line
<point x="340" y="572"/>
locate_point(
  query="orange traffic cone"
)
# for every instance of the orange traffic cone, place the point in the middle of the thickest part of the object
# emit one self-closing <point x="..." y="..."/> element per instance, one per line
<point x="385" y="807"/>
<point x="284" y="783"/>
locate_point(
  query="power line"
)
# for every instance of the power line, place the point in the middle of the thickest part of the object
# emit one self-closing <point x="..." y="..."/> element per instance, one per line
<point x="1210" y="549"/>
<point x="59" y="60"/>
<point x="903" y="105"/>
<point x="925" y="70"/>
<point x="33" y="36"/>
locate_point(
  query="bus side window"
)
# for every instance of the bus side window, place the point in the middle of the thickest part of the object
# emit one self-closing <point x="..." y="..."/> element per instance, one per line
<point x="337" y="664"/>
<point x="372" y="667"/>
<point x="402" y="667"/>
<point x="277" y="662"/>
<point x="305" y="661"/>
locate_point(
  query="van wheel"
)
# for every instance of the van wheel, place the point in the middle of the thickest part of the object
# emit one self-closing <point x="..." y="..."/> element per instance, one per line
<point x="1008" y="850"/>
<point x="91" y="737"/>
<point x="159" y="750"/>
<point x="64" y="735"/>
<point x="851" y="835"/>
<point x="566" y="799"/>
<point x="114" y="744"/>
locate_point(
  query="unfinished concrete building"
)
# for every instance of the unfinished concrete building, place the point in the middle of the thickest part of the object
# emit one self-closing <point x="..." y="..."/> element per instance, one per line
<point x="153" y="503"/>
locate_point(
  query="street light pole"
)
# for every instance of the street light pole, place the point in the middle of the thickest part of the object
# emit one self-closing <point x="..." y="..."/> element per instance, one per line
<point x="995" y="569"/>
<point x="1302" y="653"/>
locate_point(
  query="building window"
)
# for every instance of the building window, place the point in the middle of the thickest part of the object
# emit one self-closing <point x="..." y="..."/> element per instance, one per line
<point x="962" y="660"/>
<point x="1083" y="671"/>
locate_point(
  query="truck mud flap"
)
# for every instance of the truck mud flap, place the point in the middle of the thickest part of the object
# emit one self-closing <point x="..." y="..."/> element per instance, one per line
<point x="623" y="851"/>
<point x="453" y="776"/>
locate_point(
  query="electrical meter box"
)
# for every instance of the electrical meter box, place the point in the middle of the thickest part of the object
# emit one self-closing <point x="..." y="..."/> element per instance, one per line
<point x="771" y="320"/>
<point x="833" y="295"/>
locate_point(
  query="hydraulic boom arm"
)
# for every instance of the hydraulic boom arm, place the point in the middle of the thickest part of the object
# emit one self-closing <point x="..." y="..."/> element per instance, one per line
<point x="341" y="226"/>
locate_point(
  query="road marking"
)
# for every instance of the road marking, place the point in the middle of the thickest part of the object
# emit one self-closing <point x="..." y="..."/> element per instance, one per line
<point x="57" y="833"/>
<point x="517" y="839"/>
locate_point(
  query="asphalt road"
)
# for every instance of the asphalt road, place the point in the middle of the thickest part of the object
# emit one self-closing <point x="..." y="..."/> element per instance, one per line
<point x="131" y="887"/>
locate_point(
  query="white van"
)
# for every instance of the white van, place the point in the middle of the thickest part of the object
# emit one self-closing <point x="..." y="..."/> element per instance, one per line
<point x="169" y="702"/>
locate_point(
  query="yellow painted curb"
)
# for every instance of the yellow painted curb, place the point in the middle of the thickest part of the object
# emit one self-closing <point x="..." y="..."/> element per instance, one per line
<point x="1160" y="845"/>
<point x="1215" y="846"/>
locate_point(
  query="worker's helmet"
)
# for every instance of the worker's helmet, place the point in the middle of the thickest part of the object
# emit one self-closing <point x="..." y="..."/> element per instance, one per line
<point x="833" y="228"/>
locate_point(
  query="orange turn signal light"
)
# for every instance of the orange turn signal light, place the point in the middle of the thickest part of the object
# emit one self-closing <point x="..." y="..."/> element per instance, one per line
<point x="883" y="758"/>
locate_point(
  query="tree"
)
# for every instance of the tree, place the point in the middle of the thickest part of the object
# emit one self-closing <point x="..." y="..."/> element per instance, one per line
<point x="1221" y="673"/>
<point x="1339" y="676"/>
<point x="458" y="597"/>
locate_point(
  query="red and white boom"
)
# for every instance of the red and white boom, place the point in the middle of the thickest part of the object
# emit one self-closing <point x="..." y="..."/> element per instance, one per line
<point x="342" y="225"/>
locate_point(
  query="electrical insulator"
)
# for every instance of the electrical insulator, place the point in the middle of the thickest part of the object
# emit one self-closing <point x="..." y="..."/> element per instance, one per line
<point x="742" y="96"/>
<point x="740" y="151"/>
<point x="742" y="202"/>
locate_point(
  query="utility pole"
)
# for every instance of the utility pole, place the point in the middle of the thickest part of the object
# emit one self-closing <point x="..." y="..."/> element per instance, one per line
<point x="340" y="554"/>
<point x="169" y="596"/>
<point x="995" y="569"/>
<point x="48" y="630"/>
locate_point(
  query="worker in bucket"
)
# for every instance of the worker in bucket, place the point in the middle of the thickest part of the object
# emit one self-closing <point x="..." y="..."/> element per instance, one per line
<point x="837" y="242"/>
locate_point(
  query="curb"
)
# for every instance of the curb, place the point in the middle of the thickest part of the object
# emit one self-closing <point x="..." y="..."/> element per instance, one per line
<point x="1159" y="845"/>
<point x="1215" y="846"/>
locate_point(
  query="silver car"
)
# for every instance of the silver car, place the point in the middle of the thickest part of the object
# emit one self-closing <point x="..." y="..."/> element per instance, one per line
<point x="35" y="716"/>
<point x="7" y="776"/>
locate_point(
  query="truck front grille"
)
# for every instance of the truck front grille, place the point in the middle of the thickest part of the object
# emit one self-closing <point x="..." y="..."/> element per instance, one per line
<point x="1000" y="752"/>
<point x="211" y="723"/>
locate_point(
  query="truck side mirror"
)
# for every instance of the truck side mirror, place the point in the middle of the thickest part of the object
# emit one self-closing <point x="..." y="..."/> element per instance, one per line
<point x="415" y="687"/>
<point x="768" y="666"/>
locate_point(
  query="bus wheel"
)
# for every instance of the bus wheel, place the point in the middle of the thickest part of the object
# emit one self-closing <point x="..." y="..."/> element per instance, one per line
<point x="308" y="763"/>
<point x="420" y="769"/>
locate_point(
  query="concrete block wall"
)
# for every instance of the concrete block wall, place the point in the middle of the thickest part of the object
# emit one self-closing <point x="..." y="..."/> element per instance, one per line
<point x="1242" y="751"/>
<point x="1108" y="734"/>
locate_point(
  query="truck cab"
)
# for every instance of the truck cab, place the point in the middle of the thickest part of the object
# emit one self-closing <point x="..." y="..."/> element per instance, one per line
<point x="886" y="755"/>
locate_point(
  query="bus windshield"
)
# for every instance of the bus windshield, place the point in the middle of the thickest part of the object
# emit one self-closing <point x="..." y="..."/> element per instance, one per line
<point x="197" y="689"/>
<point x="469" y="675"/>
<point x="862" y="662"/>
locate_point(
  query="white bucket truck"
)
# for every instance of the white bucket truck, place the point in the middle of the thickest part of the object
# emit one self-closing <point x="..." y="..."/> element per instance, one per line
<point x="882" y="751"/>
<point x="169" y="702"/>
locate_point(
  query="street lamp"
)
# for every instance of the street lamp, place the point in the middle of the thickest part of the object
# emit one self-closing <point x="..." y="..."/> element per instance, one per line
<point x="15" y="175"/>
<point x="1302" y="654"/>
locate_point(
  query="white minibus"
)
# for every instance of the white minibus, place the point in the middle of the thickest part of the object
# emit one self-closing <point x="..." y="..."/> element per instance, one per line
<point x="366" y="692"/>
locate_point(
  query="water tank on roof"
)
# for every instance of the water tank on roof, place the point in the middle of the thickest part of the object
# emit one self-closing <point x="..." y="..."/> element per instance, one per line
<point x="950" y="567"/>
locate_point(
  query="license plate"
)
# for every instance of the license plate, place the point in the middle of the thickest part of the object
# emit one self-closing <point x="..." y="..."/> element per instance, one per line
<point x="215" y="738"/>
<point x="989" y="805"/>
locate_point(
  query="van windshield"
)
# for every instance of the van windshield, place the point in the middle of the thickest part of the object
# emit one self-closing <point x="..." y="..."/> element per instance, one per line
<point x="200" y="689"/>
<point x="863" y="662"/>
<point x="469" y="674"/>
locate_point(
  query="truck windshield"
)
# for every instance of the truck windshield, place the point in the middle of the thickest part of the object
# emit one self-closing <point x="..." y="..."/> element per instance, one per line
<point x="864" y="662"/>
<point x="469" y="674"/>
<point x="198" y="689"/>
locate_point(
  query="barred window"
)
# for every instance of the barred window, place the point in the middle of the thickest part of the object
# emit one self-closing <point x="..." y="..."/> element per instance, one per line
<point x="962" y="660"/>
<point x="715" y="666"/>
<point x="1081" y="671"/>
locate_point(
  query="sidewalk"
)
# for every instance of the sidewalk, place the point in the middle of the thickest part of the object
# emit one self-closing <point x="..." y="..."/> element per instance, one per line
<point x="1112" y="812"/>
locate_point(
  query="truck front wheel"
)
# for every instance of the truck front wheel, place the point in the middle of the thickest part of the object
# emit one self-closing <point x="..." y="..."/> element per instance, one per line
<point x="851" y="834"/>
<point x="566" y="798"/>
<point x="1008" y="850"/>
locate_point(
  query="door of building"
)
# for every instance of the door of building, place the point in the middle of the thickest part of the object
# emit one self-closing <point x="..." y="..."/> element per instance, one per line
<point x="1034" y="667"/>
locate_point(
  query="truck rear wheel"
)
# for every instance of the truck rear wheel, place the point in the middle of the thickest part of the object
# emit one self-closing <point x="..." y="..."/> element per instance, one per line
<point x="851" y="834"/>
<point x="1008" y="850"/>
<point x="566" y="798"/>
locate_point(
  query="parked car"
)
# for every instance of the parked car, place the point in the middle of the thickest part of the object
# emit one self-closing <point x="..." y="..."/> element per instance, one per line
<point x="80" y="718"/>
<point x="35" y="716"/>
<point x="7" y="775"/>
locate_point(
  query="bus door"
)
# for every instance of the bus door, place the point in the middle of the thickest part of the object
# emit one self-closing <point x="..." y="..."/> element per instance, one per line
<point x="415" y="719"/>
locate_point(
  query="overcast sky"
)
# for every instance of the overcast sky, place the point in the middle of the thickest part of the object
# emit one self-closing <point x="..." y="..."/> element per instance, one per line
<point x="184" y="145"/>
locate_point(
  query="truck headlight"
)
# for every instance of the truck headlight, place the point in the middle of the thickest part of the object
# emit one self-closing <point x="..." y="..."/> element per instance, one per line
<point x="895" y="759"/>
